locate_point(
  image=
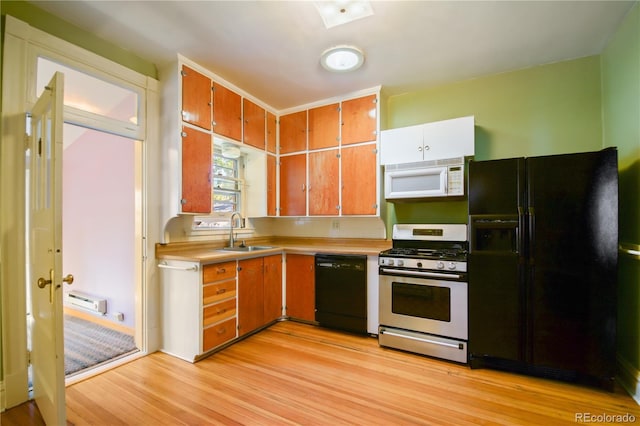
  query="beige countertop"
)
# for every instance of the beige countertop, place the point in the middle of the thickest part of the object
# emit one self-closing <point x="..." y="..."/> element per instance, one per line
<point x="211" y="251"/>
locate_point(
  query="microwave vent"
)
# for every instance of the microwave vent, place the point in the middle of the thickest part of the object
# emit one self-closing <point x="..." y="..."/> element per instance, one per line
<point x="422" y="164"/>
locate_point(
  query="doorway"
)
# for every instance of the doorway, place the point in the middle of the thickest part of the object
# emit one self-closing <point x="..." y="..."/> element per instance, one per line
<point x="101" y="219"/>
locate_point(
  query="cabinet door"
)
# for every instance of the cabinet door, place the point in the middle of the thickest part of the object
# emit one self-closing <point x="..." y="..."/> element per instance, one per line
<point x="196" y="171"/>
<point x="359" y="120"/>
<point x="359" y="180"/>
<point x="293" y="132"/>
<point x="324" y="169"/>
<point x="293" y="189"/>
<point x="401" y="145"/>
<point x="196" y="98"/>
<point x="301" y="287"/>
<point x="271" y="185"/>
<point x="227" y="112"/>
<point x="449" y="138"/>
<point x="272" y="123"/>
<point x="250" y="295"/>
<point x="254" y="124"/>
<point x="272" y="287"/>
<point x="324" y="126"/>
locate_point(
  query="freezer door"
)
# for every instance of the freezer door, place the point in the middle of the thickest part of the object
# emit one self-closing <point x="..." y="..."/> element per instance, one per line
<point x="496" y="187"/>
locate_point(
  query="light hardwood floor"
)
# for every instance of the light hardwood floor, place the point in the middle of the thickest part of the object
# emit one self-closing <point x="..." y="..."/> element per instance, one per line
<point x="295" y="373"/>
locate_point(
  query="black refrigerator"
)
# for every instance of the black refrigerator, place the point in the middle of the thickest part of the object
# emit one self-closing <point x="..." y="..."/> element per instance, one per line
<point x="543" y="238"/>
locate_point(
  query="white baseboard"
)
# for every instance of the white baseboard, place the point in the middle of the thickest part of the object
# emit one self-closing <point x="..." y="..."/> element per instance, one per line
<point x="629" y="378"/>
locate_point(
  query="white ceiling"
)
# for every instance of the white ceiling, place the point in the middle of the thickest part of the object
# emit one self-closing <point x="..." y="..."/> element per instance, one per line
<point x="271" y="49"/>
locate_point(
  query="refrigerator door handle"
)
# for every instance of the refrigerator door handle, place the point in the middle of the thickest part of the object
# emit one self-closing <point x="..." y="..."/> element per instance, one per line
<point x="520" y="232"/>
<point x="532" y="240"/>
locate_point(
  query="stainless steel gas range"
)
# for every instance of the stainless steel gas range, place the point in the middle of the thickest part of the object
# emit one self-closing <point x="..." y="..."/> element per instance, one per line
<point x="423" y="291"/>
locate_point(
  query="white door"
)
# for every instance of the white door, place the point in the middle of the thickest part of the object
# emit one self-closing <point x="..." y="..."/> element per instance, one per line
<point x="45" y="240"/>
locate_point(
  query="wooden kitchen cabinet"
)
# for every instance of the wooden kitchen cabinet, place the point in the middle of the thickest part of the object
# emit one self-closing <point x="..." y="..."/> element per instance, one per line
<point x="218" y="304"/>
<point x="300" y="283"/>
<point x="272" y="173"/>
<point x="293" y="132"/>
<point x="198" y="307"/>
<point x="259" y="292"/>
<point x="293" y="185"/>
<point x="254" y="124"/>
<point x="324" y="126"/>
<point x="324" y="175"/>
<point x="272" y="288"/>
<point x="359" y="120"/>
<point x="227" y="112"/>
<point x="196" y="170"/>
<point x="196" y="98"/>
<point x="272" y="134"/>
<point x="359" y="180"/>
<point x="250" y="295"/>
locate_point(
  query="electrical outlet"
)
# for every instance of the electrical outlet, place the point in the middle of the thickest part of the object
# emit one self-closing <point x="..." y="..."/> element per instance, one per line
<point x="335" y="224"/>
<point x="119" y="316"/>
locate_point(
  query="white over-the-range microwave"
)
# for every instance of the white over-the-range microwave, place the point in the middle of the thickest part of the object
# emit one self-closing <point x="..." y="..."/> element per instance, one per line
<point x="423" y="179"/>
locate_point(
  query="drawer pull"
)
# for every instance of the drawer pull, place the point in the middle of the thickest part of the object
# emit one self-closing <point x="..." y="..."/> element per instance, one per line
<point x="221" y="270"/>
<point x="221" y="330"/>
<point x="221" y="290"/>
<point x="221" y="311"/>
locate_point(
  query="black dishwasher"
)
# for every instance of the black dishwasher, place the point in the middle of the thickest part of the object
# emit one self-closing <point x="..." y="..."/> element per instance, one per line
<point x="341" y="292"/>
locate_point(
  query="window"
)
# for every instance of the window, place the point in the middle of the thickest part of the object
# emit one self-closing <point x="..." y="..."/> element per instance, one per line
<point x="227" y="185"/>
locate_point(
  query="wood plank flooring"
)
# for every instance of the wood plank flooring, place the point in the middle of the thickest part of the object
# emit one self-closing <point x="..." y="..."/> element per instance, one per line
<point x="295" y="373"/>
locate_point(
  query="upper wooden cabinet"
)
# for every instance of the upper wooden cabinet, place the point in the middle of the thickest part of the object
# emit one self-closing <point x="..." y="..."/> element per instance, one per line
<point x="272" y="125"/>
<point x="359" y="180"/>
<point x="196" y="98"/>
<point x="293" y="132"/>
<point x="196" y="170"/>
<point x="293" y="185"/>
<point x="271" y="185"/>
<point x="359" y="120"/>
<point x="324" y="178"/>
<point x="324" y="126"/>
<point x="227" y="112"/>
<point x="254" y="124"/>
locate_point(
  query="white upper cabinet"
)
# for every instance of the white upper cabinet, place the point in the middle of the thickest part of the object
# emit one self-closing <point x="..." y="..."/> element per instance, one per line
<point x="432" y="141"/>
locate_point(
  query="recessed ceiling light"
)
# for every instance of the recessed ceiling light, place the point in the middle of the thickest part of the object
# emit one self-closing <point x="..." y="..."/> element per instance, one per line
<point x="342" y="58"/>
<point x="342" y="11"/>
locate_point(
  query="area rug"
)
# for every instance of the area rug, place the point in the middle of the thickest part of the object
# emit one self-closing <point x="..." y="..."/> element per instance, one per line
<point x="87" y="344"/>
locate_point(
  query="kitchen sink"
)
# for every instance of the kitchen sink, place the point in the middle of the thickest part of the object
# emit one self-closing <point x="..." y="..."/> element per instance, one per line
<point x="247" y="248"/>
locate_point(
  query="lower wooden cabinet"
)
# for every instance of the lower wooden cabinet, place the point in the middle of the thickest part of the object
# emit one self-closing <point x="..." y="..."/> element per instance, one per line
<point x="300" y="282"/>
<point x="259" y="292"/>
<point x="218" y="334"/>
<point x="218" y="304"/>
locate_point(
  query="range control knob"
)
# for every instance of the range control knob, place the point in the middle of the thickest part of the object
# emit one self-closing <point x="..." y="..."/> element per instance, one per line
<point x="419" y="264"/>
<point x="451" y="265"/>
<point x="390" y="262"/>
<point x="400" y="262"/>
<point x="440" y="265"/>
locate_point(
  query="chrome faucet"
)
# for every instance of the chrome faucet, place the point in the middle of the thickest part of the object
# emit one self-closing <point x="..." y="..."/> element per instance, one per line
<point x="231" y="239"/>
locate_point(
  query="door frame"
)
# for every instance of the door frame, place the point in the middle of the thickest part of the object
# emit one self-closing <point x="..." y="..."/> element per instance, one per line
<point x="21" y="44"/>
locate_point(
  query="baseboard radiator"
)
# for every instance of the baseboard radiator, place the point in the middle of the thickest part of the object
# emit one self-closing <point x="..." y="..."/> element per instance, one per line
<point x="85" y="302"/>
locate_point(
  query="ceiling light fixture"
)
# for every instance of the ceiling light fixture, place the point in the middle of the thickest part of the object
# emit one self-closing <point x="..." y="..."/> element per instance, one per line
<point x="230" y="150"/>
<point x="340" y="12"/>
<point x="342" y="58"/>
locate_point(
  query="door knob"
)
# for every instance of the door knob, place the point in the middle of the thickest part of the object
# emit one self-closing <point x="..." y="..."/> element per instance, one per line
<point x="68" y="279"/>
<point x="42" y="283"/>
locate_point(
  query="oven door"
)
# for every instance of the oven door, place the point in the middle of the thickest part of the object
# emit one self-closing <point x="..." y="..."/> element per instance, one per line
<point x="425" y="305"/>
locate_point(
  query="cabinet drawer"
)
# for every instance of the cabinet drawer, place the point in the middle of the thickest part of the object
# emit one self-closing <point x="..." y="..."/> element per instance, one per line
<point x="218" y="312"/>
<point x="212" y="293"/>
<point x="218" y="272"/>
<point x="218" y="334"/>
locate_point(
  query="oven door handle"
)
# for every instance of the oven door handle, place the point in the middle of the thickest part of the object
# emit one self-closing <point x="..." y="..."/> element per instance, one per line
<point x="420" y="273"/>
<point x="434" y="342"/>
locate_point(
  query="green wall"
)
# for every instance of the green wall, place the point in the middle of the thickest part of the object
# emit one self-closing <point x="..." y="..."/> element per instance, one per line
<point x="549" y="109"/>
<point x="621" y="112"/>
<point x="55" y="26"/>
